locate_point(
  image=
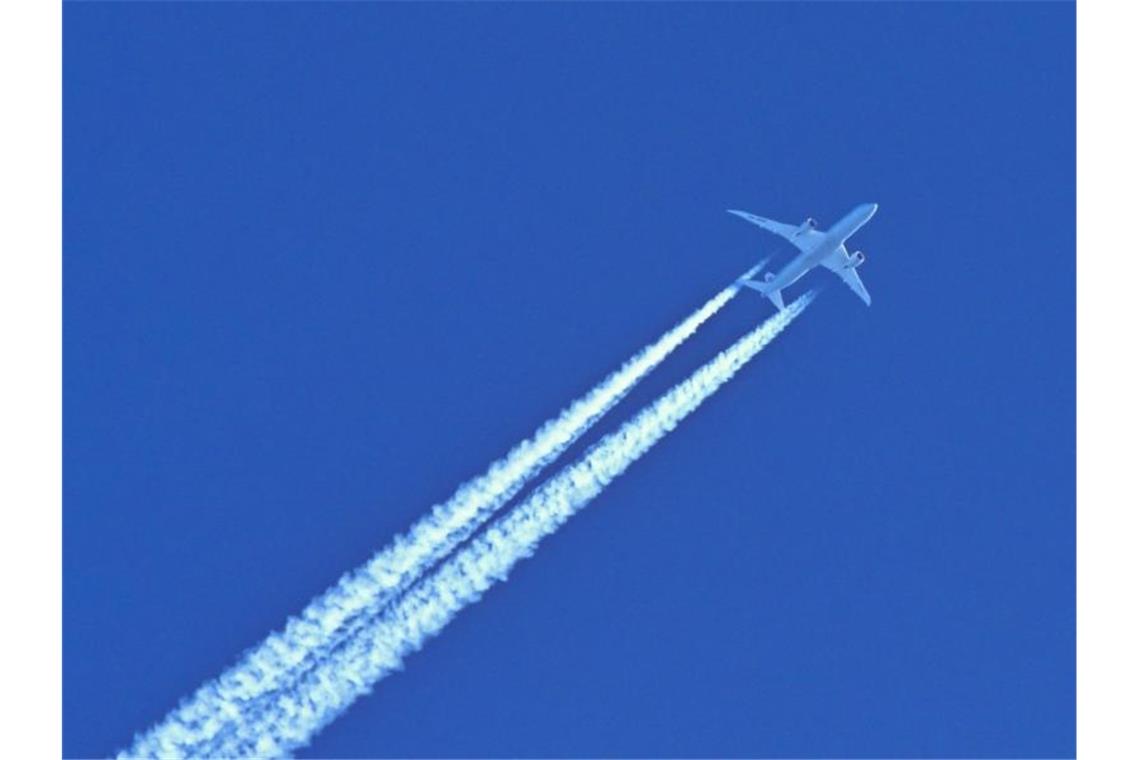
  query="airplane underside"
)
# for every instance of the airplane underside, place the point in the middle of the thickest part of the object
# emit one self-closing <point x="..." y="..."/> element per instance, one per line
<point x="817" y="248"/>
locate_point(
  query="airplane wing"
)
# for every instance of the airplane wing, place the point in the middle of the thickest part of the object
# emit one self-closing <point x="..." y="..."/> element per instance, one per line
<point x="837" y="262"/>
<point x="803" y="240"/>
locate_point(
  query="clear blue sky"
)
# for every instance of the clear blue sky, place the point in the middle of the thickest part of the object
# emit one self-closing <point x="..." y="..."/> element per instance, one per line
<point x="323" y="262"/>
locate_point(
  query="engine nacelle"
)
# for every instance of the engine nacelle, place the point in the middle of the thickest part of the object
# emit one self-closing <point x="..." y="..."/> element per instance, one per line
<point x="857" y="260"/>
<point x="809" y="224"/>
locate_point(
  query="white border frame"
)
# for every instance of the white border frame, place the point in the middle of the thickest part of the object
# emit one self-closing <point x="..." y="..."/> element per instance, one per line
<point x="1108" y="381"/>
<point x="30" y="400"/>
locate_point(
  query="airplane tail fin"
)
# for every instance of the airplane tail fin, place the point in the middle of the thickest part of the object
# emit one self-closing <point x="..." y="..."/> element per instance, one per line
<point x="772" y="294"/>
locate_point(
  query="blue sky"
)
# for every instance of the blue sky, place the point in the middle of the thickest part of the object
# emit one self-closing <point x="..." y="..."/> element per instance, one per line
<point x="324" y="262"/>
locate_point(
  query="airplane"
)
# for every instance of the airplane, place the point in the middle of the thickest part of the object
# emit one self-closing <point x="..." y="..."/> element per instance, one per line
<point x="816" y="247"/>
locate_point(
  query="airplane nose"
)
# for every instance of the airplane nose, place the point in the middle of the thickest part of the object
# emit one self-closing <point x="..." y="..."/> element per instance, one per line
<point x="872" y="208"/>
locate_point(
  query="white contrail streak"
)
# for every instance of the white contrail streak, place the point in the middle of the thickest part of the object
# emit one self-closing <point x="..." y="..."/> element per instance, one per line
<point x="298" y="713"/>
<point x="361" y="593"/>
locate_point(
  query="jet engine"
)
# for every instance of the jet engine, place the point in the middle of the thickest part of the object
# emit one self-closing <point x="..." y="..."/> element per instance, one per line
<point x="857" y="260"/>
<point x="809" y="224"/>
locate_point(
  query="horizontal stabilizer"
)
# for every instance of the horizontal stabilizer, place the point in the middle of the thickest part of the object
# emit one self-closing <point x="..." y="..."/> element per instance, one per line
<point x="772" y="294"/>
<point x="752" y="272"/>
<point x="757" y="286"/>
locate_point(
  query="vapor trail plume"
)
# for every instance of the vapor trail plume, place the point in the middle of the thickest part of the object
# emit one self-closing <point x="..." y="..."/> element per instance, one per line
<point x="339" y="612"/>
<point x="298" y="713"/>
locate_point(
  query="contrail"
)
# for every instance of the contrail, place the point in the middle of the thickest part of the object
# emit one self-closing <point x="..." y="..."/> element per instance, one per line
<point x="361" y="593"/>
<point x="298" y="713"/>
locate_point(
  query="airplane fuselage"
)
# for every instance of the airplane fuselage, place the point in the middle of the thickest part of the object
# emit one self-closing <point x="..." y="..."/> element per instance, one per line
<point x="834" y="238"/>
